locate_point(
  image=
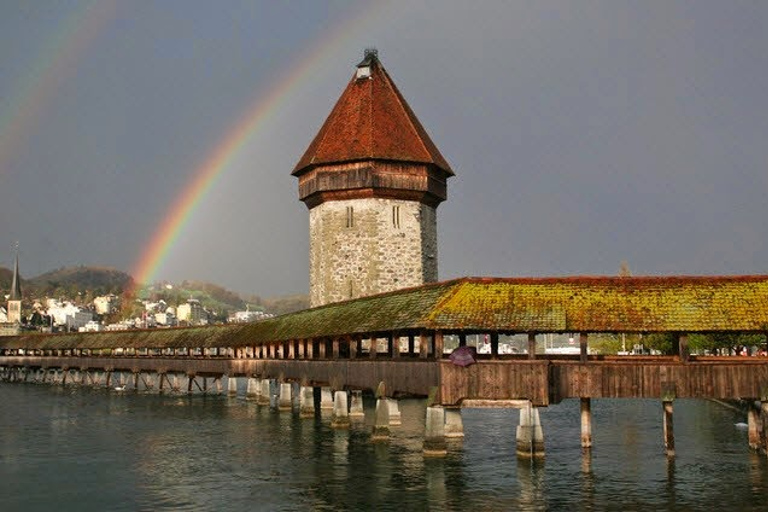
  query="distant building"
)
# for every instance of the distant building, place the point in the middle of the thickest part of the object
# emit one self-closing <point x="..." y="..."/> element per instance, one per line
<point x="106" y="304"/>
<point x="192" y="313"/>
<point x="247" y="316"/>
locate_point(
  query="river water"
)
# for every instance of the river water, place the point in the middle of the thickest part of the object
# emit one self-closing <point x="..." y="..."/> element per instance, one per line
<point x="94" y="449"/>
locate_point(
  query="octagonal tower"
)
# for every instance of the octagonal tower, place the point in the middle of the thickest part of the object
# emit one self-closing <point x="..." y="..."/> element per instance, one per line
<point x="372" y="180"/>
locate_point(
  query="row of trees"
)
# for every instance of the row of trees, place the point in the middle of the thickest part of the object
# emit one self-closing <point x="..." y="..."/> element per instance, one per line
<point x="698" y="343"/>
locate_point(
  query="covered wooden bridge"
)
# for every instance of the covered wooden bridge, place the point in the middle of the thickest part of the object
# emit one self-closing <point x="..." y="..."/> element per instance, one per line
<point x="400" y="338"/>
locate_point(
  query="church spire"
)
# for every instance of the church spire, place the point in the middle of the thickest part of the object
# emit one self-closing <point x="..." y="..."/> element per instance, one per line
<point x="16" y="282"/>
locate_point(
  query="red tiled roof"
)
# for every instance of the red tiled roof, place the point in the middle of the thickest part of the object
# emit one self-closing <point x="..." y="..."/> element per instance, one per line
<point x="371" y="120"/>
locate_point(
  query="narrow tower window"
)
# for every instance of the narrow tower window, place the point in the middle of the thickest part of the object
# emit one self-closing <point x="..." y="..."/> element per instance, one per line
<point x="396" y="216"/>
<point x="350" y="217"/>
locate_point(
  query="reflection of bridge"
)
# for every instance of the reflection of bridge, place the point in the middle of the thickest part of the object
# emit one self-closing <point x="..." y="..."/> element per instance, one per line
<point x="396" y="343"/>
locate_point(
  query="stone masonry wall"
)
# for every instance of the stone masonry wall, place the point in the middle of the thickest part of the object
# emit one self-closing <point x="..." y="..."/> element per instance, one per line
<point x="379" y="245"/>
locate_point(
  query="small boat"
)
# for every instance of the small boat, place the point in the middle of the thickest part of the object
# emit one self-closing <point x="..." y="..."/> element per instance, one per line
<point x="120" y="388"/>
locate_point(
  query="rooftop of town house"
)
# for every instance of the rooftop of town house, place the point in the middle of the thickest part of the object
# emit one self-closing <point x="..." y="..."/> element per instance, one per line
<point x="371" y="121"/>
<point x="471" y="304"/>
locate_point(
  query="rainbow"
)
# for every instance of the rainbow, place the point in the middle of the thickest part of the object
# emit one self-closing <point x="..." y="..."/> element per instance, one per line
<point x="57" y="60"/>
<point x="256" y="118"/>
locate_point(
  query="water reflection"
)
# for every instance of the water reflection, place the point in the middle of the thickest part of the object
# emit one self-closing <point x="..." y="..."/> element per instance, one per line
<point x="95" y="449"/>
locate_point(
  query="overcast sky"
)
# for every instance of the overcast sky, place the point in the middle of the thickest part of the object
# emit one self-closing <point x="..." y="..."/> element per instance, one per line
<point x="582" y="133"/>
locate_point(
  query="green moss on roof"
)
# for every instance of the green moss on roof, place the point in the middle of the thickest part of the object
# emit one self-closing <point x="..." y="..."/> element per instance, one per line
<point x="590" y="304"/>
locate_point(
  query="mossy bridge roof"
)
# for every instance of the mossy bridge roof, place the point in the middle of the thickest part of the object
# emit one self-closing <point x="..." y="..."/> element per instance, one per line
<point x="506" y="305"/>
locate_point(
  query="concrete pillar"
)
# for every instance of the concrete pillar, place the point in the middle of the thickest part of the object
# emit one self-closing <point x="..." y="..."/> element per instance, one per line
<point x="252" y="389"/>
<point x="285" y="403"/>
<point x="530" y="436"/>
<point x="356" y="411"/>
<point x="753" y="422"/>
<point x="340" y="417"/>
<point x="306" y="402"/>
<point x="586" y="422"/>
<point x="326" y="399"/>
<point x="263" y="398"/>
<point x="395" y="418"/>
<point x="434" y="432"/>
<point x="669" y="433"/>
<point x="381" y="421"/>
<point x="232" y="386"/>
<point x="454" y="426"/>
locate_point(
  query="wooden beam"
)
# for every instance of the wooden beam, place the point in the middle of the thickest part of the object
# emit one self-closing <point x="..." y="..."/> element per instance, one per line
<point x="583" y="347"/>
<point x="531" y="345"/>
<point x="439" y="344"/>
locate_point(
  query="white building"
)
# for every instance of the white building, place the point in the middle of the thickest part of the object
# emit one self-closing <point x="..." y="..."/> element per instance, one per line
<point x="106" y="304"/>
<point x="192" y="313"/>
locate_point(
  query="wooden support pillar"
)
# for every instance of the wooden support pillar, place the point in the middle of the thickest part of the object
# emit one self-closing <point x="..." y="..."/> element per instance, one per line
<point x="754" y="426"/>
<point x="374" y="347"/>
<point x="764" y="421"/>
<point x="353" y="349"/>
<point x="390" y="344"/>
<point x="321" y="349"/>
<point x="291" y="349"/>
<point x="583" y="348"/>
<point x="462" y="340"/>
<point x="682" y="343"/>
<point x="531" y="345"/>
<point x="423" y="346"/>
<point x="395" y="345"/>
<point x="310" y="348"/>
<point x="302" y="348"/>
<point x="439" y="344"/>
<point x="271" y="351"/>
<point x="669" y="433"/>
<point x="335" y="348"/>
<point x="586" y="422"/>
<point x="494" y="345"/>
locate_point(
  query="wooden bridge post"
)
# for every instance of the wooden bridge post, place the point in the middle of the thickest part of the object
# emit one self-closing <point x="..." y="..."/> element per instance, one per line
<point x="754" y="427"/>
<point x="321" y="349"/>
<point x="494" y="345"/>
<point x="531" y="345"/>
<point x="764" y="420"/>
<point x="682" y="344"/>
<point x="586" y="422"/>
<point x="423" y="346"/>
<point x="583" y="347"/>
<point x="395" y="343"/>
<point x="310" y="348"/>
<point x="411" y="345"/>
<point x="291" y="349"/>
<point x="462" y="340"/>
<point x="302" y="348"/>
<point x="439" y="344"/>
<point x="374" y="348"/>
<point x="335" y="348"/>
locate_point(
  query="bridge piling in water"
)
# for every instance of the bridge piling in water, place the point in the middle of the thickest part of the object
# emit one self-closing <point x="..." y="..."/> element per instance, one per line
<point x="381" y="421"/>
<point x="232" y="385"/>
<point x="356" y="411"/>
<point x="586" y="422"/>
<point x="285" y="402"/>
<point x="306" y="402"/>
<point x="340" y="418"/>
<point x="530" y="435"/>
<point x="434" y="432"/>
<point x="454" y="426"/>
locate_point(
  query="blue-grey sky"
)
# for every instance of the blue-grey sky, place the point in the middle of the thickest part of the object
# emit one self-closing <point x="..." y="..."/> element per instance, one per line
<point x="582" y="133"/>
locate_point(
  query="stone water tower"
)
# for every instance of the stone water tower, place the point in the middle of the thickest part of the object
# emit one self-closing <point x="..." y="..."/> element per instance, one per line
<point x="372" y="180"/>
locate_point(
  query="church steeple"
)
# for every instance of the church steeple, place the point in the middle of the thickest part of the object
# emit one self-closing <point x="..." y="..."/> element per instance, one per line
<point x="16" y="281"/>
<point x="14" y="299"/>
